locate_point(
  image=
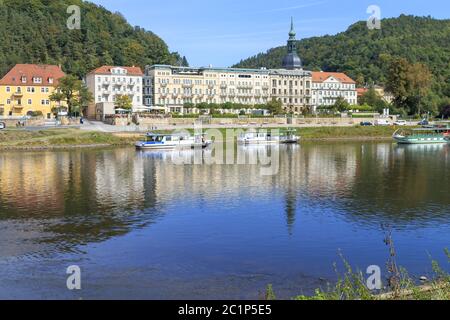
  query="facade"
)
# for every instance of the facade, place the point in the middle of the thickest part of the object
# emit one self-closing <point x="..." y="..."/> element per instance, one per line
<point x="327" y="87"/>
<point x="173" y="87"/>
<point x="26" y="89"/>
<point x="108" y="82"/>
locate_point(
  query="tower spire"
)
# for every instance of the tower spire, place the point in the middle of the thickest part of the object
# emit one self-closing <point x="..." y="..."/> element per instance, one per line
<point x="292" y="33"/>
<point x="292" y="61"/>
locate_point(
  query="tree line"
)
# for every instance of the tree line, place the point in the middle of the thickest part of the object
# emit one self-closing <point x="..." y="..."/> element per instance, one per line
<point x="409" y="43"/>
<point x="35" y="31"/>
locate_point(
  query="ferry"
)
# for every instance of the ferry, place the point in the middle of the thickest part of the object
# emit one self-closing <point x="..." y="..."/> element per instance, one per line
<point x="251" y="138"/>
<point x="439" y="133"/>
<point x="172" y="141"/>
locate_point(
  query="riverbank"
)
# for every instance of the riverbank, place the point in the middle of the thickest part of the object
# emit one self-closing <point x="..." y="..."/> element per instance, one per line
<point x="75" y="138"/>
<point x="60" y="139"/>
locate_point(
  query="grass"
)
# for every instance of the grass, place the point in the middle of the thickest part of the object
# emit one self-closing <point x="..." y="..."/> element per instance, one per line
<point x="18" y="139"/>
<point x="63" y="138"/>
<point x="356" y="132"/>
<point x="352" y="286"/>
<point x="400" y="285"/>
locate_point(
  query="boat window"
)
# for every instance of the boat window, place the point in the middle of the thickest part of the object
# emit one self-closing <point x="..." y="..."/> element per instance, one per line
<point x="168" y="138"/>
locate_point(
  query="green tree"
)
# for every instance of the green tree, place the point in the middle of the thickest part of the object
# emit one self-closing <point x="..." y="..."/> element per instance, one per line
<point x="275" y="106"/>
<point x="419" y="84"/>
<point x="341" y="105"/>
<point x="123" y="101"/>
<point x="409" y="83"/>
<point x="73" y="93"/>
<point x="373" y="98"/>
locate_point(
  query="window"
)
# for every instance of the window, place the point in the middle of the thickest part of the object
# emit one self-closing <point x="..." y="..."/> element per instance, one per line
<point x="8" y="101"/>
<point x="37" y="80"/>
<point x="8" y="89"/>
<point x="50" y="80"/>
<point x="30" y="102"/>
<point x="24" y="79"/>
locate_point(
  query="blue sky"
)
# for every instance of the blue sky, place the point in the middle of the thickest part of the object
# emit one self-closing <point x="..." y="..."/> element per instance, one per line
<point x="221" y="32"/>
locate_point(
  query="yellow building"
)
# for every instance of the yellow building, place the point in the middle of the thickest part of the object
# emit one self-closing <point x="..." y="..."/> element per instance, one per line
<point x="26" y="89"/>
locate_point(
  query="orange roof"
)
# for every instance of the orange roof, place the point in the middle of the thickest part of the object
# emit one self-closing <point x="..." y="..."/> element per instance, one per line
<point x="323" y="76"/>
<point x="361" y="91"/>
<point x="132" y="71"/>
<point x="23" y="74"/>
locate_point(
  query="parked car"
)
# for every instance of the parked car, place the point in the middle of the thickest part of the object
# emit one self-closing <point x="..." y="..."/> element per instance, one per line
<point x="366" y="124"/>
<point x="2" y="125"/>
<point x="400" y="123"/>
<point x="382" y="122"/>
<point x="424" y="122"/>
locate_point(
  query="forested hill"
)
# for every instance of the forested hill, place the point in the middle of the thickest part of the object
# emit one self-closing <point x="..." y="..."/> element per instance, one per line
<point x="35" y="31"/>
<point x="359" y="51"/>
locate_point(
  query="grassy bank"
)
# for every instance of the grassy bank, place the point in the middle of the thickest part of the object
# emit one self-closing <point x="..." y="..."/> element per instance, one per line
<point x="352" y="285"/>
<point x="329" y="133"/>
<point x="72" y="138"/>
<point x="356" y="133"/>
<point x="60" y="138"/>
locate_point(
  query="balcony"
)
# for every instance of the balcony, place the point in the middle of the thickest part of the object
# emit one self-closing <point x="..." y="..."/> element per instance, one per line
<point x="187" y="85"/>
<point x="18" y="94"/>
<point x="163" y="84"/>
<point x="223" y="86"/>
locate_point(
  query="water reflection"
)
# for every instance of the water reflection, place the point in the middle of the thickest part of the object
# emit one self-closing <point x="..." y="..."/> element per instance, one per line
<point x="65" y="199"/>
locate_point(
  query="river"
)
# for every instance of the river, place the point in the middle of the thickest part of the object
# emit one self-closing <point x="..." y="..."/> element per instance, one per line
<point x="140" y="226"/>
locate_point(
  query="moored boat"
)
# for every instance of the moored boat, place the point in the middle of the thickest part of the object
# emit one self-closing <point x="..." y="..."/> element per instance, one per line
<point x="172" y="141"/>
<point x="254" y="137"/>
<point x="427" y="135"/>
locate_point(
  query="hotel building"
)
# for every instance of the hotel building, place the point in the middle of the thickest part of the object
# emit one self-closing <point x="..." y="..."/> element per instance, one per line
<point x="172" y="87"/>
<point x="26" y="89"/>
<point x="108" y="82"/>
<point x="327" y="87"/>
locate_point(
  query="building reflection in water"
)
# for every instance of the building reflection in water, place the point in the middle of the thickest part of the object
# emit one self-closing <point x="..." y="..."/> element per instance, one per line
<point x="85" y="196"/>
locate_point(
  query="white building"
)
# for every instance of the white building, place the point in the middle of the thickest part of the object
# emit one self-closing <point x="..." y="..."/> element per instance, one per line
<point x="327" y="87"/>
<point x="172" y="87"/>
<point x="108" y="82"/>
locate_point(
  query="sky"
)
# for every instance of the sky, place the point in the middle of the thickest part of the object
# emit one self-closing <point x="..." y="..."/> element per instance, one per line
<point x="222" y="32"/>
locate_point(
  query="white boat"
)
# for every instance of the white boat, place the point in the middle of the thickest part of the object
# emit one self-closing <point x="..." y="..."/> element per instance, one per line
<point x="250" y="138"/>
<point x="172" y="141"/>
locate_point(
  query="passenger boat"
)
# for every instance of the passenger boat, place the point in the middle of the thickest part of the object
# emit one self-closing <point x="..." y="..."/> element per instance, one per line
<point x="254" y="137"/>
<point x="433" y="134"/>
<point x="290" y="137"/>
<point x="172" y="141"/>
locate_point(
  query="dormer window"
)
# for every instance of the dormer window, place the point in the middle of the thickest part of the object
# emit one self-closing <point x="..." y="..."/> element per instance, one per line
<point x="50" y="80"/>
<point x="24" y="79"/>
<point x="37" y="80"/>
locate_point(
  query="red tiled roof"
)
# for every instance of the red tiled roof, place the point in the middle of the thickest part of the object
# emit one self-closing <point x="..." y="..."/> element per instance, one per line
<point x="132" y="71"/>
<point x="20" y="72"/>
<point x="361" y="91"/>
<point x="323" y="76"/>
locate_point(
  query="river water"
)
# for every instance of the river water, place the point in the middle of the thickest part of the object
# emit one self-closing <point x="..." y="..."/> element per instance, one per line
<point x="140" y="226"/>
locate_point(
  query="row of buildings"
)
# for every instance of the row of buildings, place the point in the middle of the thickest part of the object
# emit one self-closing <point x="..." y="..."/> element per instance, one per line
<point x="26" y="89"/>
